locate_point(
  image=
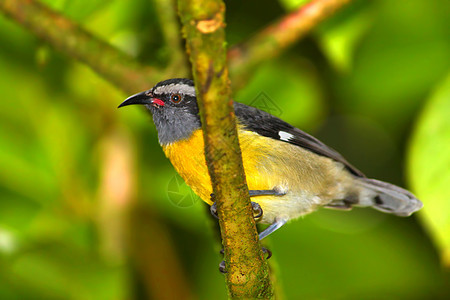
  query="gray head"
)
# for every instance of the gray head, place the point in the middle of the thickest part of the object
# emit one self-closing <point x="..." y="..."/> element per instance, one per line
<point x="174" y="108"/>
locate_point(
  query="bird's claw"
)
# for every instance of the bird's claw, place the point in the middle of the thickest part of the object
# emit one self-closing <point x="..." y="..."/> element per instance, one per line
<point x="257" y="210"/>
<point x="267" y="251"/>
<point x="213" y="210"/>
<point x="223" y="268"/>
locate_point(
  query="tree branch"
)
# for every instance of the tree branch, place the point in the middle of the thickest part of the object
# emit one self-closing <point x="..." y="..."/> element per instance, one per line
<point x="248" y="274"/>
<point x="277" y="37"/>
<point x="126" y="73"/>
<point x="247" y="271"/>
<point x="66" y="36"/>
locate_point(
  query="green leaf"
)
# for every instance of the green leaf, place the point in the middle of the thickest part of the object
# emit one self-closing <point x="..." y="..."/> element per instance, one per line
<point x="395" y="62"/>
<point x="293" y="4"/>
<point x="339" y="41"/>
<point x="429" y="167"/>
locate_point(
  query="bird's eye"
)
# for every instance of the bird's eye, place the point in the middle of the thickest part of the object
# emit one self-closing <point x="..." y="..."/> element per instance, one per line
<point x="175" y="98"/>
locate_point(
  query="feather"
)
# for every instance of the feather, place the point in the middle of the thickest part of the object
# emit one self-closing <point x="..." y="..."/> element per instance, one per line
<point x="267" y="125"/>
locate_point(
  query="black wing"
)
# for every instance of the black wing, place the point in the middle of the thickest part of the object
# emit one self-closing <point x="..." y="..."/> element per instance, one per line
<point x="267" y="125"/>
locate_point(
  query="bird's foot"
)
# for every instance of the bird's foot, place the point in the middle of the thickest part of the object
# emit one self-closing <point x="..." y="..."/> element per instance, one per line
<point x="213" y="209"/>
<point x="222" y="266"/>
<point x="257" y="210"/>
<point x="267" y="251"/>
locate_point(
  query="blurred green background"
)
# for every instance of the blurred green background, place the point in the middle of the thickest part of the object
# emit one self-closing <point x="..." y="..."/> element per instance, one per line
<point x="91" y="209"/>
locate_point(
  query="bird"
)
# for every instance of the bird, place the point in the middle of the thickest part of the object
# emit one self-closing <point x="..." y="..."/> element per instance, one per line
<point x="289" y="172"/>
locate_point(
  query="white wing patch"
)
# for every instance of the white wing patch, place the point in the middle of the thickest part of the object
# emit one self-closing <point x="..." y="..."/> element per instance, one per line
<point x="285" y="136"/>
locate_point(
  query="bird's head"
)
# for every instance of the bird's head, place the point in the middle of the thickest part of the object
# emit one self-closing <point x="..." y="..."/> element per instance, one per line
<point x="173" y="105"/>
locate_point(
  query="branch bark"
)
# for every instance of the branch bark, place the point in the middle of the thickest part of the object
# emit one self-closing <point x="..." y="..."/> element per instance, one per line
<point x="247" y="271"/>
<point x="277" y="37"/>
<point x="63" y="34"/>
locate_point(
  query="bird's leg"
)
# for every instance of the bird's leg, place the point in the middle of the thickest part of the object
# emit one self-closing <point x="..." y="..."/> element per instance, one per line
<point x="272" y="192"/>
<point x="274" y="226"/>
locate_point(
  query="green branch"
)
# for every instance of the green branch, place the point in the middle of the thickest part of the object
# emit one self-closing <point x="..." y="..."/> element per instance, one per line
<point x="63" y="34"/>
<point x="247" y="271"/>
<point x="127" y="74"/>
<point x="277" y="37"/>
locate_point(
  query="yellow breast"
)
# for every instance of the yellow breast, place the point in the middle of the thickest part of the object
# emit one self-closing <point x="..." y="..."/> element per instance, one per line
<point x="268" y="163"/>
<point x="187" y="156"/>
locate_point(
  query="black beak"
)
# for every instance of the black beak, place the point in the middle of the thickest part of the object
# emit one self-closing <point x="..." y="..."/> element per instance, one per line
<point x="141" y="98"/>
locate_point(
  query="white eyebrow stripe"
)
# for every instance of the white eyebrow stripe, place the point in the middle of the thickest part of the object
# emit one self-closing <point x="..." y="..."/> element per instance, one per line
<point x="175" y="88"/>
<point x="285" y="136"/>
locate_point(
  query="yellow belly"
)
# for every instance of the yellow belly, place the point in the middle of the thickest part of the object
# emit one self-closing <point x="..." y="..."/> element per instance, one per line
<point x="309" y="180"/>
<point x="188" y="158"/>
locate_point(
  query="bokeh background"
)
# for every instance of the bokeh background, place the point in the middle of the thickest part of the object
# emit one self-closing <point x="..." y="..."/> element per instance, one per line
<point x="91" y="209"/>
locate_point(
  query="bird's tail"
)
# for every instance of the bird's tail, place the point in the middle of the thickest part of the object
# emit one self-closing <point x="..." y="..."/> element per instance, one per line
<point x="387" y="197"/>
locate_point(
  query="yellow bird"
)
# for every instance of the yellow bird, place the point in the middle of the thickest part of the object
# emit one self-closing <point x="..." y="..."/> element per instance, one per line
<point x="289" y="173"/>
